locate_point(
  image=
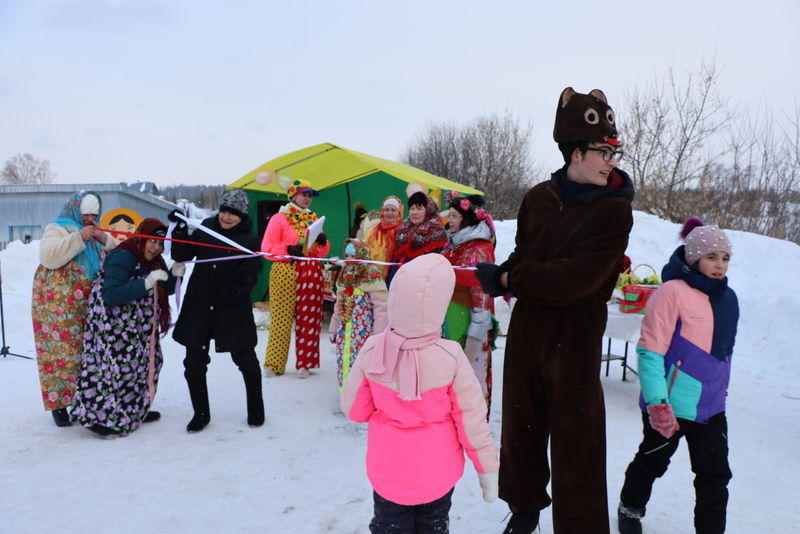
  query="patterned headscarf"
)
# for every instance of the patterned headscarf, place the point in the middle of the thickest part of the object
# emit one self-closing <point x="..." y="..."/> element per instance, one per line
<point x="416" y="239"/>
<point x="70" y="219"/>
<point x="355" y="274"/>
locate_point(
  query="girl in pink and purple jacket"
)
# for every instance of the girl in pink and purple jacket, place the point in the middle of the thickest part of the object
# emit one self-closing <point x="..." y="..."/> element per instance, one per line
<point x="424" y="406"/>
<point x="685" y="355"/>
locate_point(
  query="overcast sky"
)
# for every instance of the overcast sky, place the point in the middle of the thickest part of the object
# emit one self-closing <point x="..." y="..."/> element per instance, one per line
<point x="196" y="91"/>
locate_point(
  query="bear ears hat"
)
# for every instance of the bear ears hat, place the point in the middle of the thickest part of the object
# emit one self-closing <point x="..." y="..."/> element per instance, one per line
<point x="584" y="118"/>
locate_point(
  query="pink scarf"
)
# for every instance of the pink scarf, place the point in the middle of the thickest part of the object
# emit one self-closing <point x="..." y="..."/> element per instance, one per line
<point x="395" y="351"/>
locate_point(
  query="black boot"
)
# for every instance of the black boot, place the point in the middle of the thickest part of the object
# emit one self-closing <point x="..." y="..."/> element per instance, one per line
<point x="104" y="432"/>
<point x="522" y="523"/>
<point x="251" y="372"/>
<point x="198" y="391"/>
<point x="198" y="422"/>
<point x="629" y="520"/>
<point x="151" y="416"/>
<point x="61" y="417"/>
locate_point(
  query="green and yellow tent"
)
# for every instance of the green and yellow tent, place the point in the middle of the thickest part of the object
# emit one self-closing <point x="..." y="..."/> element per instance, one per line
<point x="343" y="177"/>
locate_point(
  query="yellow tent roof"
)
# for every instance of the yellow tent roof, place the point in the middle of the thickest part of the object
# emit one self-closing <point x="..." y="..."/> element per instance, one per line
<point x="328" y="165"/>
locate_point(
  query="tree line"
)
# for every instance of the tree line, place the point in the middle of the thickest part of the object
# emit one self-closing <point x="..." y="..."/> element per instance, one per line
<point x="688" y="150"/>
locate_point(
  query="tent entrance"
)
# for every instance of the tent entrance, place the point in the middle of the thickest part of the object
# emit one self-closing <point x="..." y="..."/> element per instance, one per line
<point x="265" y="210"/>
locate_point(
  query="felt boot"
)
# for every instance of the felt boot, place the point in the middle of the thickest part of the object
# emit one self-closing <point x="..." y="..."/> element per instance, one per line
<point x="198" y="391"/>
<point x="61" y="417"/>
<point x="629" y="520"/>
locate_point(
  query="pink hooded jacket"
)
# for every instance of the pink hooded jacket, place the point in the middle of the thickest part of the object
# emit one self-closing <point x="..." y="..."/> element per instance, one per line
<point x="418" y="392"/>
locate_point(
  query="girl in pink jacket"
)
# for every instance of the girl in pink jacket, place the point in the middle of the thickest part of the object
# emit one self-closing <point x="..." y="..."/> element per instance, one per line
<point x="424" y="406"/>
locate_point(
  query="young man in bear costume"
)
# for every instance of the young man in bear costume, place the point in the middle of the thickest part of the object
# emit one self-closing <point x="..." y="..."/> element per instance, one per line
<point x="572" y="232"/>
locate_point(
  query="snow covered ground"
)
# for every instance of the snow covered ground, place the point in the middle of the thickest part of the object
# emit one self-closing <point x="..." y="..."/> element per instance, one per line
<point x="303" y="471"/>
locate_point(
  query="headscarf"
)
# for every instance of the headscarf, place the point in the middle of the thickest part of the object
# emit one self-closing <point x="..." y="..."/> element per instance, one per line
<point x="70" y="219"/>
<point x="416" y="239"/>
<point x="135" y="245"/>
<point x="381" y="238"/>
<point x="355" y="274"/>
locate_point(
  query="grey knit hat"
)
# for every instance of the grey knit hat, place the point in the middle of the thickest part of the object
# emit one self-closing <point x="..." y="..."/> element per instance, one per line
<point x="234" y="201"/>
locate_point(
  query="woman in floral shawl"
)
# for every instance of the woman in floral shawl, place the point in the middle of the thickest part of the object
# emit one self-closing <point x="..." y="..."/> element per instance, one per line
<point x="470" y="317"/>
<point x="381" y="237"/>
<point x="121" y="353"/>
<point x="360" y="308"/>
<point x="69" y="254"/>
<point x="421" y="233"/>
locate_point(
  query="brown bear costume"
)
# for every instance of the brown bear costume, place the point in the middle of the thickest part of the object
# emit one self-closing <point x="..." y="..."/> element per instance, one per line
<point x="570" y="242"/>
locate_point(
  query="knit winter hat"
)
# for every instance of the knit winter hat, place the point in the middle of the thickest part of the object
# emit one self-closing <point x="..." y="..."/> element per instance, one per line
<point x="586" y="118"/>
<point x="90" y="205"/>
<point x="152" y="227"/>
<point x="234" y="201"/>
<point x="300" y="186"/>
<point x="701" y="239"/>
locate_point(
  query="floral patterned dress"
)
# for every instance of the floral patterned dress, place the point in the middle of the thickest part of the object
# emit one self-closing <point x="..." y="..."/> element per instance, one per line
<point x="112" y="389"/>
<point x="59" y="318"/>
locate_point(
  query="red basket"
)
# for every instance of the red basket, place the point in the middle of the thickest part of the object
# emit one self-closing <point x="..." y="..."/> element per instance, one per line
<point x="635" y="298"/>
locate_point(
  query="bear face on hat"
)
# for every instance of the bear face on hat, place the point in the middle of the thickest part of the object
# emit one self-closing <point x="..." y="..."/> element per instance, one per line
<point x="584" y="118"/>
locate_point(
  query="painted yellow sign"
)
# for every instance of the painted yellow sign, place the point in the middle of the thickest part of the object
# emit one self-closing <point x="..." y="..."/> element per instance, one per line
<point x="121" y="220"/>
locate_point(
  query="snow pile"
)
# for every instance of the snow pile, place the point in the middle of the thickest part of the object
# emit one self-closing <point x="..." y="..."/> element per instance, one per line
<point x="303" y="471"/>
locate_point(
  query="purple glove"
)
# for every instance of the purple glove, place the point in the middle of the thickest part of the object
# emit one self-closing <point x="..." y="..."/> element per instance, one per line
<point x="662" y="419"/>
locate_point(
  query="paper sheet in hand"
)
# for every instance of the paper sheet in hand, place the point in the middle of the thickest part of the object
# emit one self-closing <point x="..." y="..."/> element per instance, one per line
<point x="313" y="231"/>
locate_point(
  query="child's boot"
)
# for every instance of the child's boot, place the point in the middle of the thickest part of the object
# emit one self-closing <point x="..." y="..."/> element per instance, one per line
<point x="629" y="520"/>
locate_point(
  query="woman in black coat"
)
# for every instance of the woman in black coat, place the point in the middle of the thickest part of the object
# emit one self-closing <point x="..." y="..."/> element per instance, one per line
<point x="217" y="306"/>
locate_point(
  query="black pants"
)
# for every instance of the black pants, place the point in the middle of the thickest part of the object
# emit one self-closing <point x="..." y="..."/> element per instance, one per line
<point x="708" y="454"/>
<point x="195" y="366"/>
<point x="197" y="360"/>
<point x="392" y="518"/>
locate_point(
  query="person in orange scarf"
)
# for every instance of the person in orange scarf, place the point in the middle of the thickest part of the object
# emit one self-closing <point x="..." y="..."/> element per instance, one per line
<point x="381" y="237"/>
<point x="295" y="287"/>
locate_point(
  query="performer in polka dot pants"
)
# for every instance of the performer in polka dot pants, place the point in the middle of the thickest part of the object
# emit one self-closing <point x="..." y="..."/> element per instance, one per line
<point x="295" y="286"/>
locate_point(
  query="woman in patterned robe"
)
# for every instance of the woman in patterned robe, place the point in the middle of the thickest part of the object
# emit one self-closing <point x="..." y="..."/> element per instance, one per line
<point x="121" y="352"/>
<point x="69" y="256"/>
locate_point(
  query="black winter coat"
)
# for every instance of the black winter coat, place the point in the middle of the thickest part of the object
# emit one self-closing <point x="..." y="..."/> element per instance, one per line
<point x="217" y="302"/>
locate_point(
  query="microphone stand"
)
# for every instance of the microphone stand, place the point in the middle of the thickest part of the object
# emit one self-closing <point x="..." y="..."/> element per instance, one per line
<point x="5" y="351"/>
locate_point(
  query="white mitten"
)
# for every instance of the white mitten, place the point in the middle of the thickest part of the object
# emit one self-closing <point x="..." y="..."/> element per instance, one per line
<point x="489" y="485"/>
<point x="159" y="275"/>
<point x="178" y="269"/>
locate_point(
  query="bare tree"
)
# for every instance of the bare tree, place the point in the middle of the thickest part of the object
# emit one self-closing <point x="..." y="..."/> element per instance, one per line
<point x="669" y="129"/>
<point x="27" y="169"/>
<point x="689" y="153"/>
<point x="490" y="153"/>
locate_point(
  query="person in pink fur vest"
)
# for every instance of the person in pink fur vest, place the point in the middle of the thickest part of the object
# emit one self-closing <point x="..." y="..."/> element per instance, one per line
<point x="424" y="406"/>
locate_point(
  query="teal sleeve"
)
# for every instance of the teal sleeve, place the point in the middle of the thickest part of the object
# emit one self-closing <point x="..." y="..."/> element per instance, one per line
<point x="651" y="376"/>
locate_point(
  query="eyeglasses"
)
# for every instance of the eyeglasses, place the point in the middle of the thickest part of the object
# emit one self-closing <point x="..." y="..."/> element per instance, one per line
<point x="608" y="154"/>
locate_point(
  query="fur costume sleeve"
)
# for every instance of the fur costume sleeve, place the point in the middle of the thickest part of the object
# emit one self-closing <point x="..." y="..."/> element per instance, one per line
<point x="594" y="260"/>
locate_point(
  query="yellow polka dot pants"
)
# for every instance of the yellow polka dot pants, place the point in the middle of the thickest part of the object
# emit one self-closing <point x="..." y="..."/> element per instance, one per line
<point x="282" y="285"/>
